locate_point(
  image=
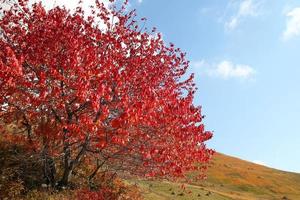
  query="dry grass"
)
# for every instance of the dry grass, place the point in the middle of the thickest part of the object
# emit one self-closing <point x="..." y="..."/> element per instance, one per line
<point x="230" y="178"/>
<point x="229" y="174"/>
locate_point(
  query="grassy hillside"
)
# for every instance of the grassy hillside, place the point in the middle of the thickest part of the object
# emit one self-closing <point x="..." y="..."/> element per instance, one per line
<point x="230" y="178"/>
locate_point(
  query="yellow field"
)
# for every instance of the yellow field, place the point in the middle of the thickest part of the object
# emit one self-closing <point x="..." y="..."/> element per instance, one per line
<point x="229" y="178"/>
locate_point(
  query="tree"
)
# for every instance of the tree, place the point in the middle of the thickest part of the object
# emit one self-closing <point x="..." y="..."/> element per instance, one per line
<point x="98" y="89"/>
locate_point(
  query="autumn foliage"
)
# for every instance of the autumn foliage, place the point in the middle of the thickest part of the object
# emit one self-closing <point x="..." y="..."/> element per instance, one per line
<point x="98" y="89"/>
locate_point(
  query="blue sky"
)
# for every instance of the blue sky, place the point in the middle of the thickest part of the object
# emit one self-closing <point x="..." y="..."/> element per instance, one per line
<point x="246" y="58"/>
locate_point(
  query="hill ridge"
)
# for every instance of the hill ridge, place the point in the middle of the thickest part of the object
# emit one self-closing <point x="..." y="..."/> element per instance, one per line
<point x="229" y="177"/>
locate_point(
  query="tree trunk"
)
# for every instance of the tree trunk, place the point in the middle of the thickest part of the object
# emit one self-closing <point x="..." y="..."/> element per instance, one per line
<point x="49" y="170"/>
<point x="70" y="164"/>
<point x="65" y="178"/>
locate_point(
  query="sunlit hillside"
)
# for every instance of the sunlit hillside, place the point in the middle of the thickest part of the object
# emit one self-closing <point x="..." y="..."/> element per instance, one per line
<point x="230" y="178"/>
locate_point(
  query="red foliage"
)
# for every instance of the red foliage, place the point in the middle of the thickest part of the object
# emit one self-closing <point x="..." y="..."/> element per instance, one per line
<point x="99" y="86"/>
<point x="87" y="195"/>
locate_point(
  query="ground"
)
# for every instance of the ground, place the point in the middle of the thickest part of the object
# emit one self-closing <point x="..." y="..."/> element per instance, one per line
<point x="228" y="178"/>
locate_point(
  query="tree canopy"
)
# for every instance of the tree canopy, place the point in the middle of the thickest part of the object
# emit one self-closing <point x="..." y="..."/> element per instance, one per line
<point x="100" y="89"/>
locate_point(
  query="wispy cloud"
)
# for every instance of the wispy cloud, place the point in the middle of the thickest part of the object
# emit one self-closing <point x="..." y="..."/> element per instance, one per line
<point x="225" y="70"/>
<point x="198" y="64"/>
<point x="292" y="24"/>
<point x="140" y="1"/>
<point x="259" y="162"/>
<point x="246" y="8"/>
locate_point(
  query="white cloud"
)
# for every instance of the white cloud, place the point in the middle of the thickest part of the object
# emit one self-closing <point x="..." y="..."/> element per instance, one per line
<point x="140" y="1"/>
<point x="246" y="8"/>
<point x="293" y="24"/>
<point x="259" y="162"/>
<point x="198" y="64"/>
<point x="232" y="24"/>
<point x="227" y="70"/>
<point x="224" y="69"/>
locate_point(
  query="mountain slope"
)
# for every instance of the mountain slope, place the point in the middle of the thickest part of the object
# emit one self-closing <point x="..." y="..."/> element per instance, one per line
<point x="232" y="174"/>
<point x="230" y="178"/>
